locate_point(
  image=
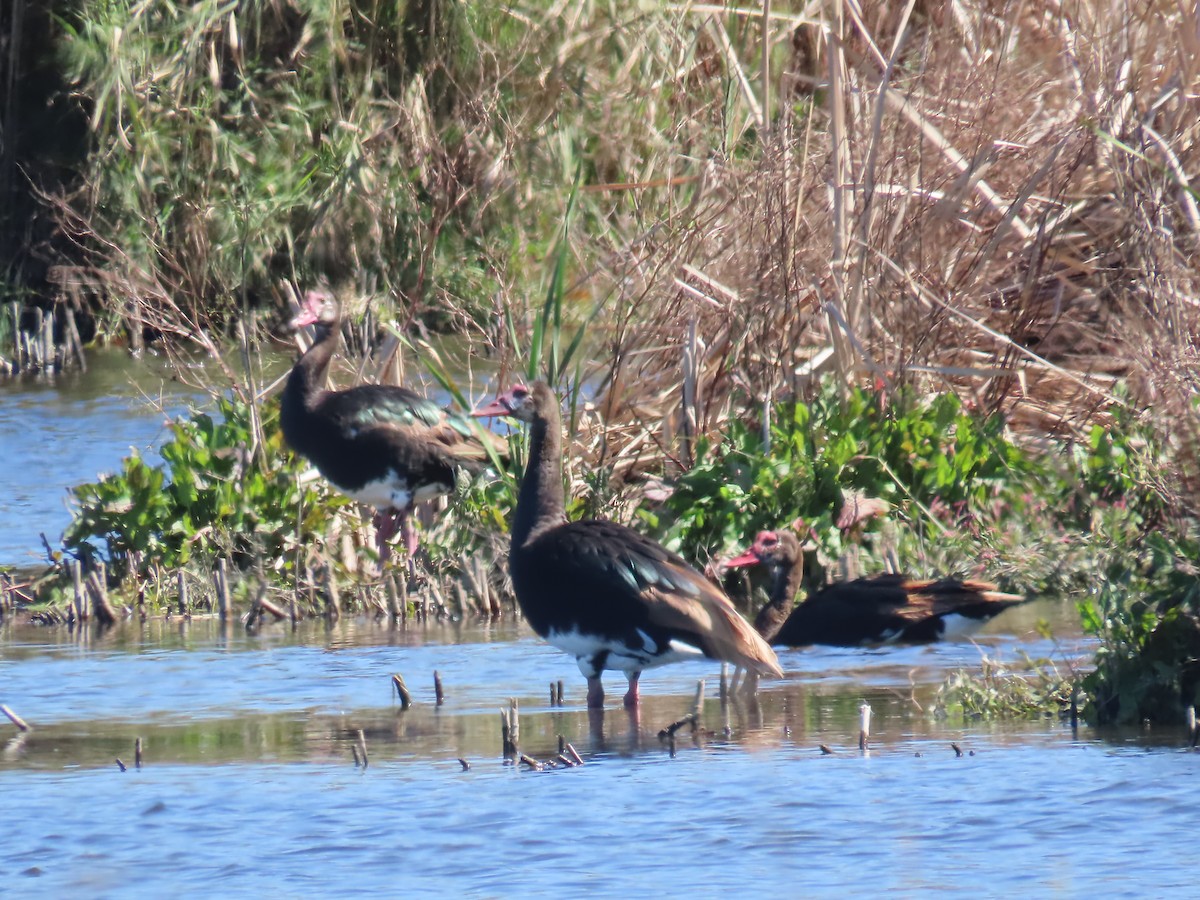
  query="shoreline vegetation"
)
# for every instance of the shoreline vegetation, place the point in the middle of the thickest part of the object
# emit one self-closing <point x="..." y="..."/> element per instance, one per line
<point x="776" y="259"/>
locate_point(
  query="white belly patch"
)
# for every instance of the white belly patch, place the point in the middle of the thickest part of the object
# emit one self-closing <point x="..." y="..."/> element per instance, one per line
<point x="384" y="493"/>
<point x="616" y="654"/>
<point x="395" y="493"/>
<point x="958" y="627"/>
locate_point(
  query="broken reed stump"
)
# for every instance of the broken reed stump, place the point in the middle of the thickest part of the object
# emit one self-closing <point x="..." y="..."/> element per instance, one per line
<point x="698" y="703"/>
<point x="466" y="766"/>
<point x="562" y="754"/>
<point x="396" y="607"/>
<point x="1193" y="734"/>
<point x="438" y="694"/>
<point x="506" y="746"/>
<point x="531" y="762"/>
<point x="8" y="596"/>
<point x="362" y="747"/>
<point x="402" y="691"/>
<point x="510" y="731"/>
<point x="574" y="754"/>
<point x="137" y="753"/>
<point x="121" y="765"/>
<point x="460" y="599"/>
<point x="73" y="339"/>
<point x="269" y="607"/>
<point x="957" y="749"/>
<point x="439" y="603"/>
<point x="333" y="603"/>
<point x="14" y="310"/>
<point x="181" y="581"/>
<point x="476" y="574"/>
<point x="81" y="610"/>
<point x="864" y="726"/>
<point x="369" y="599"/>
<point x="98" y="587"/>
<point x="50" y="360"/>
<point x="21" y="724"/>
<point x="221" y="584"/>
<point x="294" y="605"/>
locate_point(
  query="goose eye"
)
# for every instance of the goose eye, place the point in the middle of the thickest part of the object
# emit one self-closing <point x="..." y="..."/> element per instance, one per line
<point x="520" y="393"/>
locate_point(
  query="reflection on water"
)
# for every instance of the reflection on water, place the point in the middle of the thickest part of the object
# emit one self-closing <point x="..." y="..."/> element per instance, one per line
<point x="250" y="784"/>
<point x="1008" y="820"/>
<point x="189" y="669"/>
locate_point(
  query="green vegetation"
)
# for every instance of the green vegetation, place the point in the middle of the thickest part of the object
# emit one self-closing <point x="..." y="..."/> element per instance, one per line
<point x="1145" y="609"/>
<point x="688" y="219"/>
<point x="214" y="493"/>
<point x="237" y="144"/>
<point x="925" y="455"/>
<point x="1036" y="688"/>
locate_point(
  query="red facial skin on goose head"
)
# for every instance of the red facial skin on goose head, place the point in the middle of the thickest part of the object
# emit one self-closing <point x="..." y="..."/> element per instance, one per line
<point x="310" y="310"/>
<point x="504" y="404"/>
<point x="753" y="555"/>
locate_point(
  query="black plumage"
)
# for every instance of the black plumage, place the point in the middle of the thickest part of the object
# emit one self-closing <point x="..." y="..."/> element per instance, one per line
<point x="866" y="610"/>
<point x="602" y="592"/>
<point x="386" y="446"/>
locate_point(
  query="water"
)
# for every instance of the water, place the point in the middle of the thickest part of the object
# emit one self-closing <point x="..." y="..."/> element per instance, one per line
<point x="718" y="822"/>
<point x="249" y="783"/>
<point x="54" y="435"/>
<point x="250" y="786"/>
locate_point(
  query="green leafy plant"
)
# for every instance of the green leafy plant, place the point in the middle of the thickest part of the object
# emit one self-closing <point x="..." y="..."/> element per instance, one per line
<point x="1000" y="690"/>
<point x="213" y="493"/>
<point x="1145" y="610"/>
<point x="925" y="454"/>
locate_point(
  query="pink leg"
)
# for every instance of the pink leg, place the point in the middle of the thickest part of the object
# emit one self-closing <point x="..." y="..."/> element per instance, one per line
<point x="595" y="693"/>
<point x="385" y="529"/>
<point x="631" y="696"/>
<point x="387" y="524"/>
<point x="411" y="541"/>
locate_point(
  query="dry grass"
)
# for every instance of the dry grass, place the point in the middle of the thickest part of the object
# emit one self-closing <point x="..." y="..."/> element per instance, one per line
<point x="987" y="197"/>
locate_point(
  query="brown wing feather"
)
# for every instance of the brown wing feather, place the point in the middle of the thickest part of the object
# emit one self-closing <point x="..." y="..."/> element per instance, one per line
<point x="616" y="573"/>
<point x="938" y="598"/>
<point x="462" y="447"/>
<point x="703" y="610"/>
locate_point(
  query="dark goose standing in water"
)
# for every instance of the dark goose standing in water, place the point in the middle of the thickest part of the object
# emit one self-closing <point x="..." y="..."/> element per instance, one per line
<point x="866" y="610"/>
<point x="385" y="446"/>
<point x="603" y="593"/>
